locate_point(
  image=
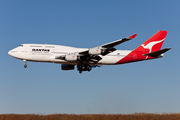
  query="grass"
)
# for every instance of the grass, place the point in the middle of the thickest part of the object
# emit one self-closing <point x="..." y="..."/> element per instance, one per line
<point x="136" y="116"/>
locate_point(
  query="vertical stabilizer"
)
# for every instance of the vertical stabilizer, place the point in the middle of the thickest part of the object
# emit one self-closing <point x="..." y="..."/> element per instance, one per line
<point x="154" y="43"/>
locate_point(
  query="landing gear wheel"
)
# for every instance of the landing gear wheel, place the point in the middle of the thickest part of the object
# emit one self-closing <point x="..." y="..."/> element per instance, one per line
<point x="89" y="68"/>
<point x="80" y="72"/>
<point x="25" y="66"/>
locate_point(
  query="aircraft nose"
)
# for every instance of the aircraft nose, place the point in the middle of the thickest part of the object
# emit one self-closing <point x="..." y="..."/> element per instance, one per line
<point x="13" y="52"/>
<point x="9" y="53"/>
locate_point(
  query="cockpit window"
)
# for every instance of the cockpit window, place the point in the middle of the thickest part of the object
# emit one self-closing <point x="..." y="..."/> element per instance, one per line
<point x="21" y="45"/>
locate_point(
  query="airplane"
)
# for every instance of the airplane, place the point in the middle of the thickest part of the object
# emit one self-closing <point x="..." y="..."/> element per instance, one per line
<point x="87" y="58"/>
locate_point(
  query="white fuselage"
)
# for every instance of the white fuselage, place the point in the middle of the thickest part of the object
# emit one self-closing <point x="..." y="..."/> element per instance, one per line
<point x="48" y="53"/>
<point x="87" y="58"/>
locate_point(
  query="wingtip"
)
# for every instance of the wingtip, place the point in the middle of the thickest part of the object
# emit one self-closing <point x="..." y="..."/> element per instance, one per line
<point x="132" y="36"/>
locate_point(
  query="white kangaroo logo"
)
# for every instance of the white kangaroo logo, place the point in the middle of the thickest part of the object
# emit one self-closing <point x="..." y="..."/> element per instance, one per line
<point x="150" y="45"/>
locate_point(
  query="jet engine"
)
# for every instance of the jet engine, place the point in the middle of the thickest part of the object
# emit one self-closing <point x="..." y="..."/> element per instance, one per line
<point x="71" y="57"/>
<point x="101" y="50"/>
<point x="67" y="67"/>
<point x="95" y="51"/>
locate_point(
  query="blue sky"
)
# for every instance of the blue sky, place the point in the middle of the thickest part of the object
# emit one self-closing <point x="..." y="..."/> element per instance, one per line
<point x="43" y="88"/>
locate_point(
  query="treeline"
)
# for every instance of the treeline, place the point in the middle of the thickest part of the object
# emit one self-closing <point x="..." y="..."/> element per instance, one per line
<point x="136" y="116"/>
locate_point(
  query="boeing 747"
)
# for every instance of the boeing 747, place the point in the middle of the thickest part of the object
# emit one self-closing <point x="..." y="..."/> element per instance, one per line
<point x="86" y="58"/>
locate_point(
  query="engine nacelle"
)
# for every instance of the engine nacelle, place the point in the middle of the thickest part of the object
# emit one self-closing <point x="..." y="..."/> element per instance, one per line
<point x="95" y="51"/>
<point x="101" y="50"/>
<point x="67" y="67"/>
<point x="71" y="57"/>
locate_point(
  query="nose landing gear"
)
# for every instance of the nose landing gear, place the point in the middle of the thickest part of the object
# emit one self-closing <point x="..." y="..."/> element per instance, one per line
<point x="25" y="65"/>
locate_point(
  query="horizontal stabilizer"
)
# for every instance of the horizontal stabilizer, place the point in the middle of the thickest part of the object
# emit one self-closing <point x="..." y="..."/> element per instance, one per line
<point x="157" y="53"/>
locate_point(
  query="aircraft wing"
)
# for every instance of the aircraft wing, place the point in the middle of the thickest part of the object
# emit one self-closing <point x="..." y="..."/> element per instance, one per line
<point x="117" y="42"/>
<point x="92" y="54"/>
<point x="106" y="48"/>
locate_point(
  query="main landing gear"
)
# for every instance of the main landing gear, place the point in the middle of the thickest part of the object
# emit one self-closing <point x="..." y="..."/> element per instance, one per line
<point x="84" y="67"/>
<point x="25" y="65"/>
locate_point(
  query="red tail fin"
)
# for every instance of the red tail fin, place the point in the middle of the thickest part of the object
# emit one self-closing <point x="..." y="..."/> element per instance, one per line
<point x="151" y="45"/>
<point x="154" y="43"/>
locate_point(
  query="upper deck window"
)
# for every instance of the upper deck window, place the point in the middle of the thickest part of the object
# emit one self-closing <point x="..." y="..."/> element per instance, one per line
<point x="35" y="46"/>
<point x="21" y="45"/>
<point x="50" y="46"/>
